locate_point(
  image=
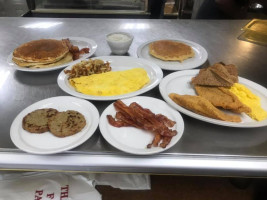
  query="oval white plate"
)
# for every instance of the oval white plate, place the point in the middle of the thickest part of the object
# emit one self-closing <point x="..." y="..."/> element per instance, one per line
<point x="179" y="82"/>
<point x="200" y="57"/>
<point x="81" y="42"/>
<point x="47" y="143"/>
<point x="133" y="140"/>
<point x="118" y="63"/>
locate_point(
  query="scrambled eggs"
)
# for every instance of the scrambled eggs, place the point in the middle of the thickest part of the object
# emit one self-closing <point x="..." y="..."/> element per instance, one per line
<point x="111" y="83"/>
<point x="250" y="100"/>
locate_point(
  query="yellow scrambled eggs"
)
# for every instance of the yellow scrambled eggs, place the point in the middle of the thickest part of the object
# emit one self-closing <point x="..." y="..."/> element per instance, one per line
<point x="111" y="83"/>
<point x="250" y="100"/>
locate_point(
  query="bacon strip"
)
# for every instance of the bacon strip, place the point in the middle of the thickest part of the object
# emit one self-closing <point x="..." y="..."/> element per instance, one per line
<point x="115" y="123"/>
<point x="165" y="142"/>
<point x="155" y="141"/>
<point x="74" y="50"/>
<point x="136" y="116"/>
<point x="165" y="120"/>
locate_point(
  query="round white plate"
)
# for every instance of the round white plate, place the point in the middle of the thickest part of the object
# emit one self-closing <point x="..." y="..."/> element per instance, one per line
<point x="200" y="57"/>
<point x="133" y="140"/>
<point x="117" y="63"/>
<point x="81" y="42"/>
<point x="179" y="82"/>
<point x="47" y="143"/>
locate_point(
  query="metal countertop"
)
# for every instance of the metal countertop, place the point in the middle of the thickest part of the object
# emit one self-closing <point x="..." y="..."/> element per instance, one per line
<point x="205" y="149"/>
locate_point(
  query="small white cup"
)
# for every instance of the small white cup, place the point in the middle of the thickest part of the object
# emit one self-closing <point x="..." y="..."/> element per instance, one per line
<point x="119" y="42"/>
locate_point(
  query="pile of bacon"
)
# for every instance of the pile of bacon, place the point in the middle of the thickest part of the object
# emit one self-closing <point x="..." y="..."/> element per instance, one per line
<point x="135" y="115"/>
<point x="74" y="50"/>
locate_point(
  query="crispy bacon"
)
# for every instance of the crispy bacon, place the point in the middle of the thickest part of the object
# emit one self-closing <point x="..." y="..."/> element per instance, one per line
<point x="115" y="123"/>
<point x="155" y="141"/>
<point x="84" y="50"/>
<point x="136" y="116"/>
<point x="120" y="106"/>
<point x="122" y="117"/>
<point x="165" y="120"/>
<point x="74" y="50"/>
<point x="165" y="142"/>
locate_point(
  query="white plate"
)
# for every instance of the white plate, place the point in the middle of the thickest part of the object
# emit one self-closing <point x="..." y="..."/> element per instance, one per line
<point x="179" y="82"/>
<point x="200" y="57"/>
<point x="81" y="42"/>
<point x="117" y="63"/>
<point x="133" y="140"/>
<point x="47" y="143"/>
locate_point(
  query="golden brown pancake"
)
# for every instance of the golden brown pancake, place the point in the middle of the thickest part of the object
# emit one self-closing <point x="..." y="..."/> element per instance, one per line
<point x="65" y="59"/>
<point x="170" y="50"/>
<point x="41" y="51"/>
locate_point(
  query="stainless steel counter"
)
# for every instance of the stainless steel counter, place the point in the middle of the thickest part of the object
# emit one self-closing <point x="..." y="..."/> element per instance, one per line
<point x="205" y="149"/>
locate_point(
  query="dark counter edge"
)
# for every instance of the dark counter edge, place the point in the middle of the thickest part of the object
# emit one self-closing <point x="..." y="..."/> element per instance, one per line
<point x="204" y="165"/>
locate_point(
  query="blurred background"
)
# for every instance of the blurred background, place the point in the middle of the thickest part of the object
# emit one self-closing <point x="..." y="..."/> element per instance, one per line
<point x="155" y="9"/>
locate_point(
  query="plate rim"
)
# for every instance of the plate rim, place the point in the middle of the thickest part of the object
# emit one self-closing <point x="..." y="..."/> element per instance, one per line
<point x="139" y="55"/>
<point x="180" y="127"/>
<point x="88" y="134"/>
<point x="159" y="75"/>
<point x="189" y="113"/>
<point x="91" y="53"/>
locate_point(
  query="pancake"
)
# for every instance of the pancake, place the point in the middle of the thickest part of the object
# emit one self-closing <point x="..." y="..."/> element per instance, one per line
<point x="65" y="59"/>
<point x="41" y="51"/>
<point x="169" y="50"/>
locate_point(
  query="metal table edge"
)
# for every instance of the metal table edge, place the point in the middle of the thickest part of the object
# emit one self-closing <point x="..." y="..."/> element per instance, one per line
<point x="206" y="165"/>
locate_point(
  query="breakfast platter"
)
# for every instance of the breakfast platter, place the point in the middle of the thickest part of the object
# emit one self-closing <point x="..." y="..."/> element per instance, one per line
<point x="205" y="145"/>
<point x="133" y="140"/>
<point x="199" y="58"/>
<point x="182" y="79"/>
<point x="80" y="42"/>
<point x="134" y="124"/>
<point x="43" y="142"/>
<point x="117" y="63"/>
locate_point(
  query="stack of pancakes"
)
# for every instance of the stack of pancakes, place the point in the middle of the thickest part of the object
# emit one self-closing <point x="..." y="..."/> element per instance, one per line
<point x="42" y="53"/>
<point x="169" y="50"/>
